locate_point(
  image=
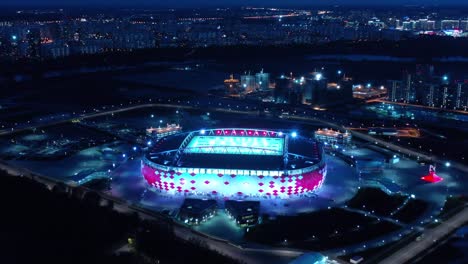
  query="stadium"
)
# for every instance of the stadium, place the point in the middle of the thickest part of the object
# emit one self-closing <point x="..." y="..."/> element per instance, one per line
<point x="235" y="162"/>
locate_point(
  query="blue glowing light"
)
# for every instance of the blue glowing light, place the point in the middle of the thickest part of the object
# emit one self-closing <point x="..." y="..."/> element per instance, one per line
<point x="280" y="134"/>
<point x="202" y="132"/>
<point x="149" y="143"/>
<point x="134" y="148"/>
<point x="294" y="134"/>
<point x="14" y="37"/>
<point x="447" y="164"/>
<point x="445" y="77"/>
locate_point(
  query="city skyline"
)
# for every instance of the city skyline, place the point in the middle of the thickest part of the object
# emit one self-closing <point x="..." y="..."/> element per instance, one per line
<point x="208" y="3"/>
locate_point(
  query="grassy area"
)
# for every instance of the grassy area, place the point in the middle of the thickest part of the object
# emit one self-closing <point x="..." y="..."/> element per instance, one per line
<point x="452" y="205"/>
<point x="376" y="201"/>
<point x="411" y="211"/>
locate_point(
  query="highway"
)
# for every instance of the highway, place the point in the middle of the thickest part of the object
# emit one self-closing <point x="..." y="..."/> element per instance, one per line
<point x="5" y="132"/>
<point x="428" y="239"/>
<point x="377" y="100"/>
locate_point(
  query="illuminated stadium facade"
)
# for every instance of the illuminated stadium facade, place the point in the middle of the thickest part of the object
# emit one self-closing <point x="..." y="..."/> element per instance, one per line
<point x="235" y="162"/>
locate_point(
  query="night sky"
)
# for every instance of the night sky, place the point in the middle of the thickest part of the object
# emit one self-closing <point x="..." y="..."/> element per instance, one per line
<point x="192" y="3"/>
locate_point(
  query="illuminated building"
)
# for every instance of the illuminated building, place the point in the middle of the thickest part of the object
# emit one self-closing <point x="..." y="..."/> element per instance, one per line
<point x="461" y="97"/>
<point x="235" y="162"/>
<point x="408" y="93"/>
<point x="248" y="83"/>
<point x="232" y="85"/>
<point x="395" y="90"/>
<point x="196" y="211"/>
<point x="331" y="136"/>
<point x="245" y="213"/>
<point x="262" y="81"/>
<point x="160" y="132"/>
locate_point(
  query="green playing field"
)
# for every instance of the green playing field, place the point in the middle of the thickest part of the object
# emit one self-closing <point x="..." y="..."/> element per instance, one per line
<point x="236" y="145"/>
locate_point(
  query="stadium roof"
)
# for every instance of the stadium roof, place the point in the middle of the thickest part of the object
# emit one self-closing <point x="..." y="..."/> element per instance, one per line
<point x="236" y="148"/>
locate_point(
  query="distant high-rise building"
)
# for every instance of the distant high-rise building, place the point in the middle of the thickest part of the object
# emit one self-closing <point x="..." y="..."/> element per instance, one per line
<point x="262" y="81"/>
<point x="319" y="88"/>
<point x="295" y="96"/>
<point x="283" y="85"/>
<point x="431" y="97"/>
<point x="33" y="38"/>
<point x="247" y="83"/>
<point x="445" y="97"/>
<point x="462" y="95"/>
<point x="408" y="93"/>
<point x="449" y="24"/>
<point x="394" y="90"/>
<point x="307" y="92"/>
